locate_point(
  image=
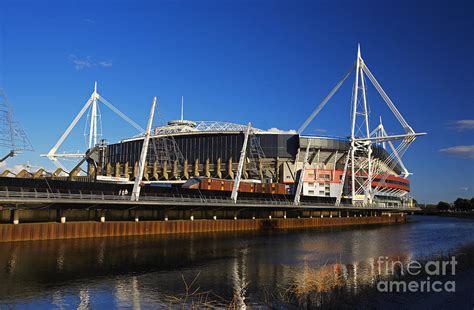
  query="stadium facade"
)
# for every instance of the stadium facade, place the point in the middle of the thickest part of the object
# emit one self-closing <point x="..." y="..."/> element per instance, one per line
<point x="183" y="150"/>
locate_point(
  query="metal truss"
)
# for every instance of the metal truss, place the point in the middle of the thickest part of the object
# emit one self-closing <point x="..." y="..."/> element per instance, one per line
<point x="256" y="151"/>
<point x="184" y="126"/>
<point x="257" y="166"/>
<point x="360" y="165"/>
<point x="165" y="148"/>
<point x="176" y="127"/>
<point x="94" y="122"/>
<point x="12" y="135"/>
<point x="222" y="126"/>
<point x="390" y="192"/>
<point x="380" y="133"/>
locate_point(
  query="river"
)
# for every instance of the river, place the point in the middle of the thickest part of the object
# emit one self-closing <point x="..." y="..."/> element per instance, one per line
<point x="245" y="268"/>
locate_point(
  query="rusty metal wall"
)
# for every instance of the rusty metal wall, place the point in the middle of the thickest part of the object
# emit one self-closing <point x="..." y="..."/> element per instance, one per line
<point x="45" y="231"/>
<point x="337" y="221"/>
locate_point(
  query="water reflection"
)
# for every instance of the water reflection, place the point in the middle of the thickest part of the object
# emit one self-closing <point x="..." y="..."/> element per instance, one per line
<point x="84" y="299"/>
<point x="58" y="300"/>
<point x="326" y="278"/>
<point x="127" y="294"/>
<point x="245" y="269"/>
<point x="239" y="279"/>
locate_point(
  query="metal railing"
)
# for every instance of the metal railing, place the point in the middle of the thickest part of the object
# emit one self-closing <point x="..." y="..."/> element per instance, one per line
<point x="173" y="198"/>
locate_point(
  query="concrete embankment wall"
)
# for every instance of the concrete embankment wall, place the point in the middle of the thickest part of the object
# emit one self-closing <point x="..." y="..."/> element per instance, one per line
<point x="51" y="230"/>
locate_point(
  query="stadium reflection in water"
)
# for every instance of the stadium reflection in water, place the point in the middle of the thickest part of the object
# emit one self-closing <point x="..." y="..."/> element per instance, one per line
<point x="243" y="268"/>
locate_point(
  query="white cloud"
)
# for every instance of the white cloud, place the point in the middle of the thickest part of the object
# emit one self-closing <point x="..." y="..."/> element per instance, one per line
<point x="464" y="151"/>
<point x="276" y="130"/>
<point x="105" y="64"/>
<point x="80" y="63"/>
<point x="87" y="62"/>
<point x="461" y="125"/>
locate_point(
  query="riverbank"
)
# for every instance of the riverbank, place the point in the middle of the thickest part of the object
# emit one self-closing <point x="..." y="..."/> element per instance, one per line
<point x="70" y="230"/>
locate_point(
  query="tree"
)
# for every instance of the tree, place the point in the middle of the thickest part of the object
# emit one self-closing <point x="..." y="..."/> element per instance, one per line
<point x="461" y="204"/>
<point x="443" y="206"/>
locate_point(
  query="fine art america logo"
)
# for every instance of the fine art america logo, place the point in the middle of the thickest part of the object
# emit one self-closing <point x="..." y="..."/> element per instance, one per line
<point x="417" y="276"/>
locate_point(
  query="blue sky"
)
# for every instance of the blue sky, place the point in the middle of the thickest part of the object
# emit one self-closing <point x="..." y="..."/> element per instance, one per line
<point x="268" y="62"/>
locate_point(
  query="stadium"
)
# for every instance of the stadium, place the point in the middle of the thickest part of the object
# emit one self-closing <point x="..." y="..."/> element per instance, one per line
<point x="226" y="176"/>
<point x="184" y="150"/>
<point x="362" y="169"/>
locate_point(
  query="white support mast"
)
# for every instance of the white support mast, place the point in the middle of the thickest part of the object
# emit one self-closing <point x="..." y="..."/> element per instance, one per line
<point x="141" y="163"/>
<point x="93" y="124"/>
<point x="368" y="198"/>
<point x="299" y="188"/>
<point x="235" y="189"/>
<point x="353" y="121"/>
<point x="359" y="164"/>
<point x="360" y="153"/>
<point x="91" y="103"/>
<point x="182" y="108"/>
